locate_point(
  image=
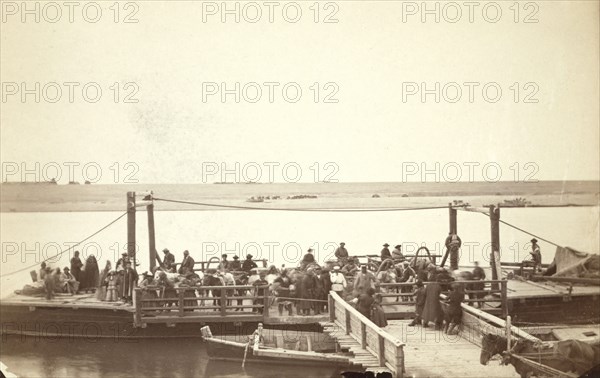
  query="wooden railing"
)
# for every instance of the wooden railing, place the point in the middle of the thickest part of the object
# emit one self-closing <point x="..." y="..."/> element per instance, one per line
<point x="201" y="266"/>
<point x="388" y="349"/>
<point x="187" y="303"/>
<point x="375" y="260"/>
<point x="395" y="290"/>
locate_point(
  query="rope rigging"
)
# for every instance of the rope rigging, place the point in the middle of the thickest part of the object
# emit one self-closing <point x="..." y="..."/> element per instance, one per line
<point x="65" y="250"/>
<point x="299" y="209"/>
<point x="513" y="226"/>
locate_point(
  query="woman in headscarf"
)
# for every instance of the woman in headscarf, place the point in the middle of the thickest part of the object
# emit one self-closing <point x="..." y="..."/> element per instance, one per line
<point x="101" y="288"/>
<point x="90" y="276"/>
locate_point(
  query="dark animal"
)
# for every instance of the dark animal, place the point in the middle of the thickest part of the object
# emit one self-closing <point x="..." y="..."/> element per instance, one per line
<point x="566" y="356"/>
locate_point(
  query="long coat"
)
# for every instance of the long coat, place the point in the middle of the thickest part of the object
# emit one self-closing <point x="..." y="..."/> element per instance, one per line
<point x="307" y="291"/>
<point x="364" y="304"/>
<point x="432" y="312"/>
<point x="363" y="282"/>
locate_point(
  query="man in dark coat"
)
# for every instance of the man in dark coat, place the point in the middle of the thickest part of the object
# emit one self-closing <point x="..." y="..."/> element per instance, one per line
<point x="76" y="265"/>
<point x="129" y="282"/>
<point x="234" y="265"/>
<point x="341" y="253"/>
<point x="432" y="311"/>
<point x="259" y="292"/>
<point x="307" y="291"/>
<point x="365" y="303"/>
<point x="420" y="305"/>
<point x="453" y="316"/>
<point x="307" y="259"/>
<point x="248" y="264"/>
<point x="224" y="263"/>
<point x="168" y="261"/>
<point x="385" y="252"/>
<point x="478" y="276"/>
<point x="187" y="265"/>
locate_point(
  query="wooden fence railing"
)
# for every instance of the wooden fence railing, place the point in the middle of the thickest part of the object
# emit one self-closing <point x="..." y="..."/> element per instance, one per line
<point x="387" y="348"/>
<point x="201" y="266"/>
<point x="195" y="301"/>
<point x="405" y="291"/>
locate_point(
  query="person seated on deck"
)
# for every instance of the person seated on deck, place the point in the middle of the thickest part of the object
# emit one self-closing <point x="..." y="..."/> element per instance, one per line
<point x="168" y="261"/>
<point x="235" y="265"/>
<point x="536" y="257"/>
<point x="397" y="253"/>
<point x="341" y="253"/>
<point x="308" y="259"/>
<point x="225" y="264"/>
<point x="385" y="253"/>
<point x="42" y="271"/>
<point x="187" y="265"/>
<point x="259" y="292"/>
<point x="70" y="284"/>
<point x="420" y="303"/>
<point x="58" y="282"/>
<point x="351" y="267"/>
<point x="248" y="264"/>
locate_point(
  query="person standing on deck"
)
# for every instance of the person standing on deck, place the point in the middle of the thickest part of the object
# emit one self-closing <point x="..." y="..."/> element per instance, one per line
<point x="111" y="288"/>
<point x="432" y="311"/>
<point x="385" y="252"/>
<point x="76" y="265"/>
<point x="408" y="275"/>
<point x="168" y="261"/>
<point x="120" y="265"/>
<point x="420" y="303"/>
<point x="130" y="280"/>
<point x="260" y="285"/>
<point x="248" y="264"/>
<point x="453" y="244"/>
<point x="338" y="281"/>
<point x="378" y="314"/>
<point x="341" y="253"/>
<point x="364" y="281"/>
<point x="42" y="273"/>
<point x="325" y="278"/>
<point x="235" y="265"/>
<point x="478" y="275"/>
<point x="49" y="283"/>
<point x="453" y="316"/>
<point x="187" y="265"/>
<point x="307" y="292"/>
<point x="224" y="264"/>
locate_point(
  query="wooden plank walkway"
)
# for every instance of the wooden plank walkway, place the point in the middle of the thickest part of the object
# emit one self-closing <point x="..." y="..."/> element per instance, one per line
<point x="431" y="353"/>
<point x="362" y="357"/>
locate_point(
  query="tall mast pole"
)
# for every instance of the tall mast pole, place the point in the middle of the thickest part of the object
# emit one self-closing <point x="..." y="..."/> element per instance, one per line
<point x="131" y="226"/>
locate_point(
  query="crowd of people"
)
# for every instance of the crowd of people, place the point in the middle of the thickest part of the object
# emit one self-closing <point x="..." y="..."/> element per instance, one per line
<point x="300" y="291"/>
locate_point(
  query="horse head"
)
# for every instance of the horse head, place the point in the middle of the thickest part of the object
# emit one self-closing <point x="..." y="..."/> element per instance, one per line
<point x="490" y="346"/>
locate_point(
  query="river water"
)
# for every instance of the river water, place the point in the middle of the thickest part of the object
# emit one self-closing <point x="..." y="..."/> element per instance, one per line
<point x="280" y="237"/>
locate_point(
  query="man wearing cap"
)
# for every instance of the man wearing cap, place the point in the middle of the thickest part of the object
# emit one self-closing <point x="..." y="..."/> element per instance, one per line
<point x="248" y="264"/>
<point x="187" y="265"/>
<point x="364" y="281"/>
<point x="338" y="281"/>
<point x="235" y="265"/>
<point x="385" y="252"/>
<point x="342" y="253"/>
<point x="168" y="261"/>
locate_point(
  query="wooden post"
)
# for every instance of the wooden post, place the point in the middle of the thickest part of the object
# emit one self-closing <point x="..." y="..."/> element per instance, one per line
<point x="381" y="351"/>
<point x="348" y="322"/>
<point x="495" y="229"/>
<point x="363" y="335"/>
<point x="137" y="302"/>
<point x="180" y="294"/>
<point x="331" y="308"/>
<point x="266" y="303"/>
<point x="508" y="333"/>
<point x="151" y="237"/>
<point x="131" y="226"/>
<point x="223" y="302"/>
<point x="453" y="223"/>
<point x="504" y="296"/>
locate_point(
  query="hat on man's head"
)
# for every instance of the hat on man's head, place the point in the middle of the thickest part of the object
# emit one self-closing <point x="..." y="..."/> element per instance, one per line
<point x="235" y="257"/>
<point x="165" y="250"/>
<point x="124" y="254"/>
<point x="309" y="250"/>
<point x="342" y="243"/>
<point x="224" y="255"/>
<point x="249" y="256"/>
<point x="534" y="240"/>
<point x="66" y="268"/>
<point x="386" y="245"/>
<point x="398" y="246"/>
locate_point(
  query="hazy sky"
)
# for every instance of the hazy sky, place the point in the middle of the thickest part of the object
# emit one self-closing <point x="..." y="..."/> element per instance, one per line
<point x="379" y="127"/>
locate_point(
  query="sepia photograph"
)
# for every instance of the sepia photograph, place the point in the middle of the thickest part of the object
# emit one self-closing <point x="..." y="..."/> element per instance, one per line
<point x="302" y="189"/>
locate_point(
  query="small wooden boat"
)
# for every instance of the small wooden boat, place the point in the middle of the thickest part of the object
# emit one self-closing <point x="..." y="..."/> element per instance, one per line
<point x="257" y="349"/>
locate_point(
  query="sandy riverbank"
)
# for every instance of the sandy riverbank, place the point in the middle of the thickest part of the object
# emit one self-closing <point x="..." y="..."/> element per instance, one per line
<point x="66" y="198"/>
